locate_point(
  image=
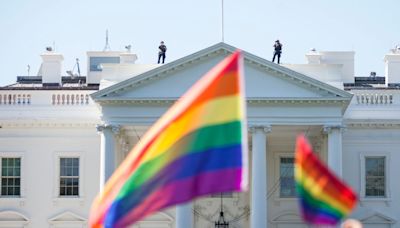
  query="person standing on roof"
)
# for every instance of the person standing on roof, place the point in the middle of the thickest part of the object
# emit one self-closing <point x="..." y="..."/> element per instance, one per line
<point x="161" y="53"/>
<point x="277" y="51"/>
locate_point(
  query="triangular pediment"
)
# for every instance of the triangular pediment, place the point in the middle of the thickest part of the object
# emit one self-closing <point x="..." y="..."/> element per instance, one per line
<point x="67" y="216"/>
<point x="264" y="80"/>
<point x="377" y="218"/>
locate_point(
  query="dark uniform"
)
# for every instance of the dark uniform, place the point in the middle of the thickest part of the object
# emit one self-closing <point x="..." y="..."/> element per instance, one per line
<point x="161" y="54"/>
<point x="277" y="51"/>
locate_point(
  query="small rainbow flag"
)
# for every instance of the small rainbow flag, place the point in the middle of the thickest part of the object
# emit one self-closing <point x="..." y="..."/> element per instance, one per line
<point x="197" y="147"/>
<point x="324" y="199"/>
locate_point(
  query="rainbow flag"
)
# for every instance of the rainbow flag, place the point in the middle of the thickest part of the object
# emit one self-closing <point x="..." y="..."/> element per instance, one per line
<point x="198" y="147"/>
<point x="324" y="199"/>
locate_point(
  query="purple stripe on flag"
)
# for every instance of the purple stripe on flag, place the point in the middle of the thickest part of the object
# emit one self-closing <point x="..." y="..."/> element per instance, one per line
<point x="184" y="190"/>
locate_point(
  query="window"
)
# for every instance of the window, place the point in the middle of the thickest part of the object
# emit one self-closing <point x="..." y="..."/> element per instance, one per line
<point x="374" y="176"/>
<point x="286" y="177"/>
<point x="69" y="176"/>
<point x="96" y="61"/>
<point x="10" y="176"/>
<point x="375" y="183"/>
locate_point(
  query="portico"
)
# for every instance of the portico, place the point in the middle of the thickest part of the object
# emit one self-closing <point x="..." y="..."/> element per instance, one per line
<point x="280" y="104"/>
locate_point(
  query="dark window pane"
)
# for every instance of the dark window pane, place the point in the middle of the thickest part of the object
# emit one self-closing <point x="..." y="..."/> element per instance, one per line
<point x="10" y="191"/>
<point x="75" y="162"/>
<point x="67" y="181"/>
<point x="18" y="162"/>
<point x="68" y="171"/>
<point x="62" y="191"/>
<point x="75" y="171"/>
<point x="17" y="191"/>
<point x="76" y="191"/>
<point x="75" y="181"/>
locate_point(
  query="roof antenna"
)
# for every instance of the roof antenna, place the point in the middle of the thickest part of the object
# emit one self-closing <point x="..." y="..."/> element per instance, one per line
<point x="107" y="46"/>
<point x="77" y="66"/>
<point x="28" y="67"/>
<point x="71" y="72"/>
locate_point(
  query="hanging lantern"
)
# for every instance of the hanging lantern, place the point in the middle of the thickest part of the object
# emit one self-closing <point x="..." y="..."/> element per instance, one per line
<point x="221" y="223"/>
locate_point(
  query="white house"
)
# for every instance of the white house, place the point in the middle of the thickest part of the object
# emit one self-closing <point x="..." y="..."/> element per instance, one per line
<point x="61" y="137"/>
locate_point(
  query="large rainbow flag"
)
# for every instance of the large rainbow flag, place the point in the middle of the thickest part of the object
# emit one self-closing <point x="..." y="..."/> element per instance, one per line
<point x="198" y="147"/>
<point x="324" y="199"/>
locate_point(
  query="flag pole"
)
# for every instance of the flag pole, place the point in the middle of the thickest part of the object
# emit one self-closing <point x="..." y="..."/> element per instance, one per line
<point x="222" y="19"/>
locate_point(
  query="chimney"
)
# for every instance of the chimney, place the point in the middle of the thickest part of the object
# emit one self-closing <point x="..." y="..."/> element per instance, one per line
<point x="392" y="67"/>
<point x="50" y="70"/>
<point x="128" y="58"/>
<point x="313" y="57"/>
<point x="344" y="58"/>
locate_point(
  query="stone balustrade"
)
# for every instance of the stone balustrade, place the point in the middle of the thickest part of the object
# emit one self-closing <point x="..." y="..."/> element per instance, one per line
<point x="45" y="98"/>
<point x="70" y="99"/>
<point x="374" y="98"/>
<point x="15" y="99"/>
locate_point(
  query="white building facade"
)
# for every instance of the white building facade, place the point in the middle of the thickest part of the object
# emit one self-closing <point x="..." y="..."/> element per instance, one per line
<point x="61" y="137"/>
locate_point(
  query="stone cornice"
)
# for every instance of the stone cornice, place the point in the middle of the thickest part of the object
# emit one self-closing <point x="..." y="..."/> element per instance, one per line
<point x="46" y="124"/>
<point x="266" y="128"/>
<point x="301" y="101"/>
<point x="116" y="129"/>
<point x="327" y="129"/>
<point x="373" y="125"/>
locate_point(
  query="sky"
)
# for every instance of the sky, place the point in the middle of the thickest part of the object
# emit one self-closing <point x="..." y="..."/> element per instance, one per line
<point x="370" y="28"/>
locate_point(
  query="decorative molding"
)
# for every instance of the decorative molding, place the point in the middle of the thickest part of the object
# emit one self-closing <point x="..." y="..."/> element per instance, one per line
<point x="259" y="100"/>
<point x="11" y="218"/>
<point x="327" y="129"/>
<point x="383" y="219"/>
<point x="374" y="125"/>
<point x="47" y="124"/>
<point x="66" y="218"/>
<point x="116" y="129"/>
<point x="265" y="128"/>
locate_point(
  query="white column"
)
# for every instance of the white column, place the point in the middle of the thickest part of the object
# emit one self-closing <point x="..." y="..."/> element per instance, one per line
<point x="107" y="151"/>
<point x="258" y="215"/>
<point x="334" y="148"/>
<point x="184" y="216"/>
